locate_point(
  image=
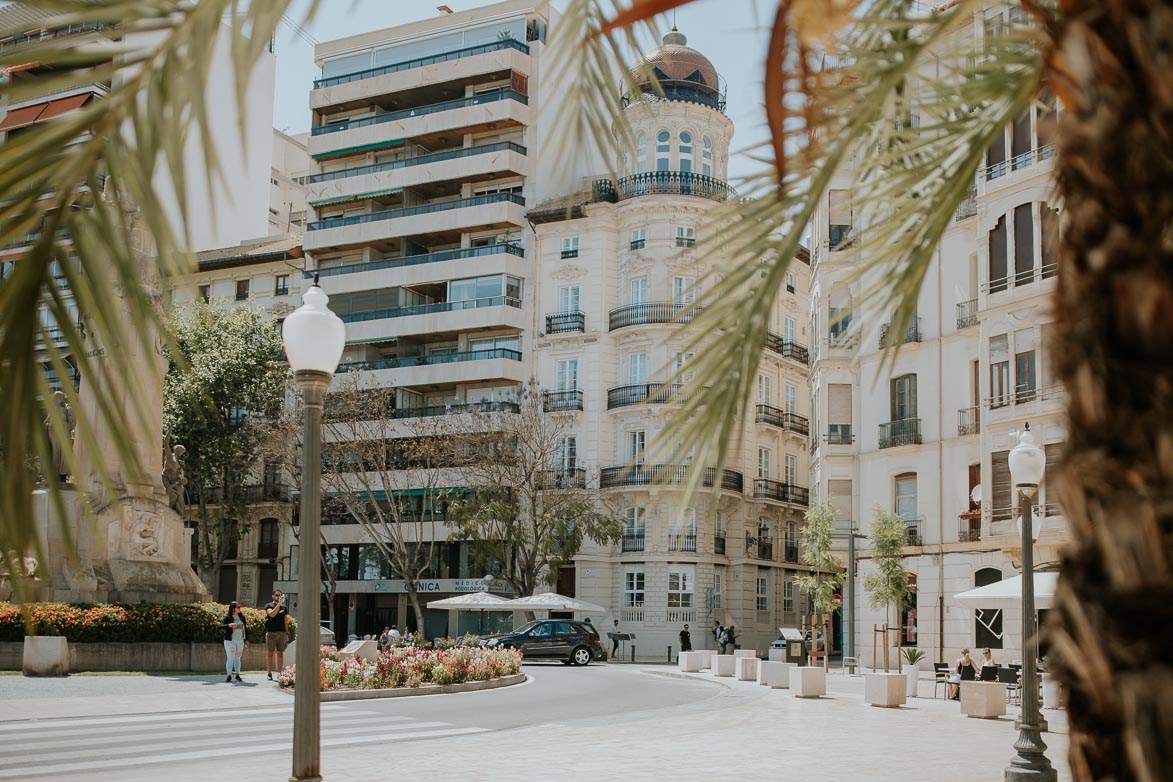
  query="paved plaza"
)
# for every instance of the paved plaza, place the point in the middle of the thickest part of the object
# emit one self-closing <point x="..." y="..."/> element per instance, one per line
<point x="633" y="722"/>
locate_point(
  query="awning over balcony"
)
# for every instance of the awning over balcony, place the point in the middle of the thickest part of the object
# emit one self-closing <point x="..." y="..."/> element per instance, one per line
<point x="357" y="150"/>
<point x="30" y="115"/>
<point x="64" y="106"/>
<point x="358" y="197"/>
<point x="23" y="117"/>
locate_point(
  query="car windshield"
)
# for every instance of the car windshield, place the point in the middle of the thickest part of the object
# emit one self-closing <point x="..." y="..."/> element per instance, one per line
<point x="525" y="628"/>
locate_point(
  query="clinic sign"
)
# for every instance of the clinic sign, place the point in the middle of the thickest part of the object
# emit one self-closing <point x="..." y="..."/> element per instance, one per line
<point x="397" y="586"/>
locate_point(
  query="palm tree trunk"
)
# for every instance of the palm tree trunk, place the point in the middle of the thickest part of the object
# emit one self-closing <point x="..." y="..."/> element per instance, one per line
<point x="1113" y="633"/>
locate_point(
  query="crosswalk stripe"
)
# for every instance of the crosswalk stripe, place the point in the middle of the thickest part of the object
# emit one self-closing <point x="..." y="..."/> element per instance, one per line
<point x="107" y="733"/>
<point x="10" y="727"/>
<point x="206" y="753"/>
<point x="252" y="743"/>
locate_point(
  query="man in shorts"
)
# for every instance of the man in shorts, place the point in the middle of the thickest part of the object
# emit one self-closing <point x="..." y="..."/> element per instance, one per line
<point x="276" y="633"/>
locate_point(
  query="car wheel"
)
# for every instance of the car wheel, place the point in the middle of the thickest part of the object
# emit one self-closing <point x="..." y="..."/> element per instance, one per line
<point x="580" y="656"/>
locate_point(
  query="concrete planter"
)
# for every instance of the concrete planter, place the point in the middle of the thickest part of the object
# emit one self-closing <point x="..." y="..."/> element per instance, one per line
<point x="746" y="653"/>
<point x="706" y="657"/>
<point x="1051" y="691"/>
<point x="724" y="665"/>
<point x="747" y="669"/>
<point x="334" y="696"/>
<point x="45" y="655"/>
<point x="887" y="690"/>
<point x="776" y="675"/>
<point x="808" y="681"/>
<point x="983" y="700"/>
<point x="690" y="662"/>
<point x="196" y="658"/>
<point x="913" y="674"/>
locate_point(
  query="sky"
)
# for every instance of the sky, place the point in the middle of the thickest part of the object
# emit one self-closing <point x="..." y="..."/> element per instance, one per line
<point x="728" y="32"/>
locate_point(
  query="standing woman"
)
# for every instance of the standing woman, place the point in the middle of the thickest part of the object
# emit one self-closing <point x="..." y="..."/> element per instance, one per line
<point x="234" y="640"/>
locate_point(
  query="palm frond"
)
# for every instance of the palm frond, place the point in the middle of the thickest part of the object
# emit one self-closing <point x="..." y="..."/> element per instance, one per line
<point x="91" y="187"/>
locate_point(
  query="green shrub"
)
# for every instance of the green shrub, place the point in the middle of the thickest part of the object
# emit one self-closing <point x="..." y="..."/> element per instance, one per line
<point x="118" y="623"/>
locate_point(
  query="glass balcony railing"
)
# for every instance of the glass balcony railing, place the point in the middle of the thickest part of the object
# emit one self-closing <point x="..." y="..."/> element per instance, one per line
<point x="419" y="62"/>
<point x="411" y="211"/>
<point x="413" y="260"/>
<point x="435" y="157"/>
<point x="419" y="111"/>
<point x="427" y="309"/>
<point x="423" y="361"/>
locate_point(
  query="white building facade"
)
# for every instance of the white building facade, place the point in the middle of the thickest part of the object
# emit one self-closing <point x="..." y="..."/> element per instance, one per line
<point x="927" y="437"/>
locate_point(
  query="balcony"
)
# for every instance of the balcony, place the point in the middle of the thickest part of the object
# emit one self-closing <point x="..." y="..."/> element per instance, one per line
<point x="644" y="394"/>
<point x="759" y="548"/>
<point x="719" y="541"/>
<point x="967" y="314"/>
<point x="787" y="348"/>
<point x="778" y="491"/>
<point x="912" y="531"/>
<point x="911" y="334"/>
<point x="665" y="474"/>
<point x="334" y="127"/>
<point x="422" y="361"/>
<point x="563" y="478"/>
<point x="662" y="183"/>
<point x="682" y="541"/>
<point x="648" y="313"/>
<point x="471" y="408"/>
<point x="632" y="613"/>
<point x="776" y="416"/>
<point x="677" y="616"/>
<point x="435" y="157"/>
<point x="897" y="433"/>
<point x="566" y="322"/>
<point x="419" y="62"/>
<point x="427" y="309"/>
<point x="637" y="244"/>
<point x="1016" y="163"/>
<point x="969" y="527"/>
<point x="562" y="401"/>
<point x="968" y="206"/>
<point x="839" y="434"/>
<point x="411" y="211"/>
<point x="968" y="421"/>
<point x="838" y="237"/>
<point x="633" y="541"/>
<point x="790" y="553"/>
<point x="413" y="260"/>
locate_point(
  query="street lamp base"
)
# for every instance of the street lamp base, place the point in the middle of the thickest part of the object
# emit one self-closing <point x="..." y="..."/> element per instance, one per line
<point x="1043" y="726"/>
<point x="1034" y="768"/>
<point x="316" y="778"/>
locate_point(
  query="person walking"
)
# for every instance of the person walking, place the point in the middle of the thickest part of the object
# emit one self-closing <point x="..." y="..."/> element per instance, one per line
<point x="718" y="631"/>
<point x="615" y="638"/>
<point x="276" y="633"/>
<point x="685" y="640"/>
<point x="234" y="640"/>
<point x="730" y="645"/>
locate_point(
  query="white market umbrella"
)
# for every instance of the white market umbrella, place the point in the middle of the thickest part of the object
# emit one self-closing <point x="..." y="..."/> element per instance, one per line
<point x="1008" y="593"/>
<point x="473" y="601"/>
<point x="552" y="601"/>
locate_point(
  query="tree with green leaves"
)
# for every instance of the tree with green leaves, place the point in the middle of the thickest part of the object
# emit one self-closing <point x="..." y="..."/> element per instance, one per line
<point x="842" y="85"/>
<point x="533" y="506"/>
<point x="888" y="584"/>
<point x="221" y="398"/>
<point x="826" y="575"/>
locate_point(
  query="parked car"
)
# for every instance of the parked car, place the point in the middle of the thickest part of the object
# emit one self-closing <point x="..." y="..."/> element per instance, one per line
<point x="558" y="639"/>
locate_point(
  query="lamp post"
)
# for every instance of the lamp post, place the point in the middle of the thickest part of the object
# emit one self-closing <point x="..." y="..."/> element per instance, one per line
<point x="314" y="338"/>
<point x="1027" y="462"/>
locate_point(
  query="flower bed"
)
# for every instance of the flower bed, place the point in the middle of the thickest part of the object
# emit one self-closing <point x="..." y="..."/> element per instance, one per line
<point x="117" y="623"/>
<point x="411" y="667"/>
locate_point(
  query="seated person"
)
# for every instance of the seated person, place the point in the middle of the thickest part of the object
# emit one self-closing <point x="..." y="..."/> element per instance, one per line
<point x="987" y="660"/>
<point x="963" y="670"/>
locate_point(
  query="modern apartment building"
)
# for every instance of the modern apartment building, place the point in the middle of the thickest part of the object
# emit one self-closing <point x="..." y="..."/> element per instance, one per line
<point x="618" y="271"/>
<point x="423" y="152"/>
<point x="928" y="437"/>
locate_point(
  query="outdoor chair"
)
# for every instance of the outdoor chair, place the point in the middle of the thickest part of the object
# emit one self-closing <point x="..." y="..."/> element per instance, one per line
<point x="1009" y="677"/>
<point x="940" y="677"/>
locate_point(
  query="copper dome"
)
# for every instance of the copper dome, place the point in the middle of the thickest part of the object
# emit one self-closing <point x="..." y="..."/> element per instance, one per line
<point x="673" y="60"/>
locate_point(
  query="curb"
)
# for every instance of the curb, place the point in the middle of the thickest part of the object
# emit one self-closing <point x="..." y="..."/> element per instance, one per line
<point x="405" y="692"/>
<point x="685" y="677"/>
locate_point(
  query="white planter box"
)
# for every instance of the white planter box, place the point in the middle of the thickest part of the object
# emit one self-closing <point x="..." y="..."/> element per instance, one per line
<point x="776" y="675"/>
<point x="983" y="700"/>
<point x="746" y="653"/>
<point x="706" y="657"/>
<point x="776" y="654"/>
<point x="808" y="681"/>
<point x="689" y="662"/>
<point x="368" y="651"/>
<point x="747" y="669"/>
<point x="888" y="690"/>
<point x="724" y="665"/>
<point x="1051" y="691"/>
<point x="913" y="674"/>
<point x="45" y="655"/>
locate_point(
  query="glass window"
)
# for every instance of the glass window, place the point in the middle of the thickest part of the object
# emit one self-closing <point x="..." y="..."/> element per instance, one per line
<point x="282" y="286"/>
<point x="569" y="246"/>
<point x="568" y="453"/>
<point x="683" y="291"/>
<point x="639" y="291"/>
<point x="633" y="588"/>
<point x="790" y="282"/>
<point x="685" y="236"/>
<point x="791" y="469"/>
<point x="791" y="398"/>
<point x="904" y="397"/>
<point x="788" y="596"/>
<point x="763" y="591"/>
<point x="1026" y="385"/>
<point x="509" y="342"/>
<point x="999" y="370"/>
<point x="906" y="496"/>
<point x="717" y="579"/>
<point x="568" y="298"/>
<point x="788" y="329"/>
<point x="663" y="147"/>
<point x="707" y="156"/>
<point x="680" y="581"/>
<point x="635" y="521"/>
<point x="205" y="292"/>
<point x="635" y="446"/>
<point x="639" y="238"/>
<point x="765" y="390"/>
<point x="686" y="151"/>
<point x="641" y="153"/>
<point x="764" y="458"/>
<point x="637" y="368"/>
<point x="567" y="369"/>
<point x="241" y="289"/>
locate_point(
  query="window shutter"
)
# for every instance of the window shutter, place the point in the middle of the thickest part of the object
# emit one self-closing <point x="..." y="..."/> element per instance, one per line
<point x="839" y="492"/>
<point x="912" y="396"/>
<point x="998" y="267"/>
<point x="1051" y="478"/>
<point x="1001" y="491"/>
<point x="1024" y="244"/>
<point x="999" y="349"/>
<point x="839" y="403"/>
<point x="839" y="207"/>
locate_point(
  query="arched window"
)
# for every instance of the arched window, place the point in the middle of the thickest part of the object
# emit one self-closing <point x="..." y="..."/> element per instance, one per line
<point x="641" y="153"/>
<point x="663" y="148"/>
<point x="707" y="156"/>
<point x="685" y="152"/>
<point x="987" y="622"/>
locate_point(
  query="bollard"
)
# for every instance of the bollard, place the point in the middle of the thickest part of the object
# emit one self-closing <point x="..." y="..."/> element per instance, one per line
<point x="669" y="652"/>
<point x="633" y="652"/>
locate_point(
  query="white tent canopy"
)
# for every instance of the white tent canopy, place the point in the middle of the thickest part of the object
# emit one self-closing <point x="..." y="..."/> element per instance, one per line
<point x="552" y="601"/>
<point x="1008" y="593"/>
<point x="473" y="601"/>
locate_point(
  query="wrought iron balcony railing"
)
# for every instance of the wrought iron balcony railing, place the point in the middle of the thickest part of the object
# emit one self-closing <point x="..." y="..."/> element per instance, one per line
<point x="563" y="478"/>
<point x="969" y="527"/>
<point x="670" y="474"/>
<point x="663" y="183"/>
<point x="903" y="432"/>
<point x="776" y="416"/>
<point x="562" y="401"/>
<point x="911" y="334"/>
<point x="682" y="541"/>
<point x="566" y="322"/>
<point x="787" y="348"/>
<point x="967" y="314"/>
<point x="719" y="541"/>
<point x="779" y="491"/>
<point x="968" y="421"/>
<point x="648" y="313"/>
<point x="633" y="541"/>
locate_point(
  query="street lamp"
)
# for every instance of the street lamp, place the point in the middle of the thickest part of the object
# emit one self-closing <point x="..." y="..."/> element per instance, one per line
<point x="1027" y="462"/>
<point x="314" y="338"/>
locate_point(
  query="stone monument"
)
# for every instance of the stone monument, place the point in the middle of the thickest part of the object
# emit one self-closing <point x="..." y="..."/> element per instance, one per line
<point x="135" y="547"/>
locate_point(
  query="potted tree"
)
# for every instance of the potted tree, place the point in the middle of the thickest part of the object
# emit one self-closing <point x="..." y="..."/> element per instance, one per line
<point x="820" y="585"/>
<point x="888" y="586"/>
<point x="912" y="657"/>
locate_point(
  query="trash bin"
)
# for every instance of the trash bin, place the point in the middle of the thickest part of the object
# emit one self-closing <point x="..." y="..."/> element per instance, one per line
<point x="792" y="640"/>
<point x="778" y="652"/>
